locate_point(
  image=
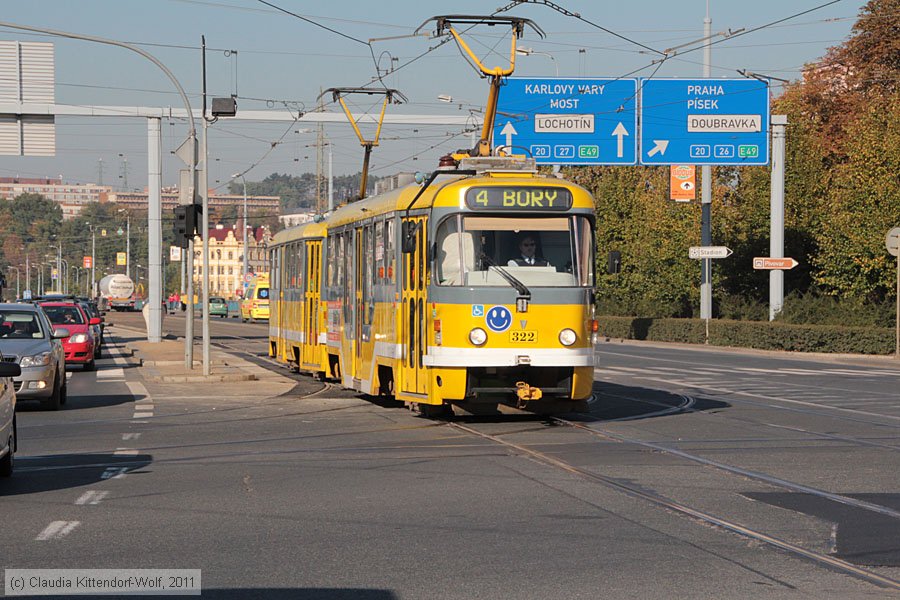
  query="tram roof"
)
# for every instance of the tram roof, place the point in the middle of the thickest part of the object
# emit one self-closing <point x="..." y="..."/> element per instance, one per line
<point x="301" y="232"/>
<point x="448" y="191"/>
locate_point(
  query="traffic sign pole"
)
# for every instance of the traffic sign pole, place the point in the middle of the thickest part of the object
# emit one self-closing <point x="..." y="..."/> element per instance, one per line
<point x="893" y="246"/>
<point x="706" y="199"/>
<point x="776" y="203"/>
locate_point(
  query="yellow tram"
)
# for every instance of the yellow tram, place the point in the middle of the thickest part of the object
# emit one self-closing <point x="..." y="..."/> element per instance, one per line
<point x="425" y="292"/>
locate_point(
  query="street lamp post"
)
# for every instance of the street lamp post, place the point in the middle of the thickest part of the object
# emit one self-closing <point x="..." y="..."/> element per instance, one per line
<point x="17" y="280"/>
<point x="127" y="241"/>
<point x="64" y="288"/>
<point x="246" y="247"/>
<point x="93" y="257"/>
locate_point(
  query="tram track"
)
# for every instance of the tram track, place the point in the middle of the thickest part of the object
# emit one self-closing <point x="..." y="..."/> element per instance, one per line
<point x="697" y="514"/>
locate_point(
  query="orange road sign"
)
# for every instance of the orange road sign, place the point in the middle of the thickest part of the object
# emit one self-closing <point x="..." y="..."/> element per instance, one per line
<point x="88" y="262"/>
<point x="772" y="264"/>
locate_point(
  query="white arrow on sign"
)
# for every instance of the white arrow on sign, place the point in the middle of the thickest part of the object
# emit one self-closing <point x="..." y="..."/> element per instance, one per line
<point x="620" y="132"/>
<point x="659" y="148"/>
<point x="709" y="252"/>
<point x="509" y="131"/>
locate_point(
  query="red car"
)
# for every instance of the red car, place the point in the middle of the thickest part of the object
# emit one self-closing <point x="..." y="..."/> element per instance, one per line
<point x="81" y="343"/>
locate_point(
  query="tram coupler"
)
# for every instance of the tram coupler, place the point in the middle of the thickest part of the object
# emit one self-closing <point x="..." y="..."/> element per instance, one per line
<point x="527" y="393"/>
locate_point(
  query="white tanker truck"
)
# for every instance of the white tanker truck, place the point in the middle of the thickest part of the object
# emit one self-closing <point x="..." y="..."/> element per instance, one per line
<point x="117" y="292"/>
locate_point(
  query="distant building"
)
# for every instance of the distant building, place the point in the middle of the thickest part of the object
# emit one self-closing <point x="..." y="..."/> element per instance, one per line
<point x="294" y="219"/>
<point x="71" y="197"/>
<point x="137" y="201"/>
<point x="226" y="258"/>
<point x="392" y="182"/>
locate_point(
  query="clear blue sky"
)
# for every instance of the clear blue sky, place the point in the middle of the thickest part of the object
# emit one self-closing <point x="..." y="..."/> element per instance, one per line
<point x="282" y="62"/>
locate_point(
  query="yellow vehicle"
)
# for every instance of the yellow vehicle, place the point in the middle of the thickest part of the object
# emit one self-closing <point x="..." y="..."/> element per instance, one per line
<point x="419" y="292"/>
<point x="255" y="305"/>
<point x="297" y="332"/>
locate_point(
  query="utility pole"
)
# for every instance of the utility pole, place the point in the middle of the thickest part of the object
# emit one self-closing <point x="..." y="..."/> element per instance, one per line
<point x="93" y="261"/>
<point x="706" y="193"/>
<point x="320" y="161"/>
<point x="246" y="247"/>
<point x="204" y="191"/>
<point x="100" y="171"/>
<point x="127" y="244"/>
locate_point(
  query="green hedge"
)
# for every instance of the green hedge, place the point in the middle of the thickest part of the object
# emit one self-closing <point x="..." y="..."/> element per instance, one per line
<point x="764" y="335"/>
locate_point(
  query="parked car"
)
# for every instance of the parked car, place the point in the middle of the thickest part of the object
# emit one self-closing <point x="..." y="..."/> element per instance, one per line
<point x="27" y="338"/>
<point x="218" y="307"/>
<point x="80" y="345"/>
<point x="8" y="443"/>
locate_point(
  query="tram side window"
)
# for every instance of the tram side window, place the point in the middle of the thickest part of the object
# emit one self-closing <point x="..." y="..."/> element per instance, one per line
<point x="380" y="271"/>
<point x="331" y="266"/>
<point x="389" y="257"/>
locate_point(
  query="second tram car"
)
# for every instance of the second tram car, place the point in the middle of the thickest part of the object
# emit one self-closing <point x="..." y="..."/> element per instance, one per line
<point x="471" y="289"/>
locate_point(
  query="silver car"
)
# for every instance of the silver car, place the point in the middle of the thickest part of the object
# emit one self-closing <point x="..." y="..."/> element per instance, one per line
<point x="29" y="339"/>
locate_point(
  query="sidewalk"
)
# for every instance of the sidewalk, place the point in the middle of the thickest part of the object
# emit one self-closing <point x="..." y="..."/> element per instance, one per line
<point x="163" y="362"/>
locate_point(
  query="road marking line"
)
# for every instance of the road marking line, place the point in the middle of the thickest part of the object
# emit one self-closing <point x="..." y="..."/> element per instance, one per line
<point x="143" y="406"/>
<point x="114" y="473"/>
<point x="142" y="415"/>
<point x="68" y="374"/>
<point x="57" y="529"/>
<point x="111" y="373"/>
<point x="138" y="390"/>
<point x="91" y="497"/>
<point x="130" y="436"/>
<point x="125" y="452"/>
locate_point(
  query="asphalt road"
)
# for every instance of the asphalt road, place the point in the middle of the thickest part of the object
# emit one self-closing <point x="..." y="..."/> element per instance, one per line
<point x="321" y="493"/>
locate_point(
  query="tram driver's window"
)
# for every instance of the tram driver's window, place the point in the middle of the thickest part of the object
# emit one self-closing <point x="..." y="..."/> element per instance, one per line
<point x="455" y="254"/>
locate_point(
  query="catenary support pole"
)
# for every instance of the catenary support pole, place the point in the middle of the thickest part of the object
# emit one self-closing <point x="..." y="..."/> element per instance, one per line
<point x="154" y="222"/>
<point x="776" y="202"/>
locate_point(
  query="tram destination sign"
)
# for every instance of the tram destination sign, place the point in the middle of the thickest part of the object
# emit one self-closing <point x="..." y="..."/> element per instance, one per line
<point x="704" y="122"/>
<point x="519" y="198"/>
<point x="569" y="121"/>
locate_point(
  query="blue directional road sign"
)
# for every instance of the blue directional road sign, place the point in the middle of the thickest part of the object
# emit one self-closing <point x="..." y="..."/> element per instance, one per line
<point x="569" y="121"/>
<point x="704" y="122"/>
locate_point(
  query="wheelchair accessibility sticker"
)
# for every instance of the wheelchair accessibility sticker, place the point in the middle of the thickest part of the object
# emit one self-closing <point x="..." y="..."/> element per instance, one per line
<point x="498" y="319"/>
<point x="478" y="310"/>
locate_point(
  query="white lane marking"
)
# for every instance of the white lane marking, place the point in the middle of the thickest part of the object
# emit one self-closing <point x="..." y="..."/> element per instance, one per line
<point x="768" y="397"/>
<point x="111" y="373"/>
<point x="91" y="497"/>
<point x="143" y="406"/>
<point x="130" y="436"/>
<point x="125" y="452"/>
<point x="142" y="415"/>
<point x="114" y="473"/>
<point x="138" y="390"/>
<point x="68" y="374"/>
<point x="57" y="529"/>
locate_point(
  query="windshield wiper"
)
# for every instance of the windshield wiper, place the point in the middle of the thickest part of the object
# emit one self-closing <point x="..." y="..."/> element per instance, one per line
<point x="524" y="292"/>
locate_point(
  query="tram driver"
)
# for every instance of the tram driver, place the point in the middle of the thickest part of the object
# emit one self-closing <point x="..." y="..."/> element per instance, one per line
<point x="528" y="253"/>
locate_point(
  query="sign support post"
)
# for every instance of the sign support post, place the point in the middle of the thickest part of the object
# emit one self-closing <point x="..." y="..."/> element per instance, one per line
<point x="706" y="199"/>
<point x="776" y="203"/>
<point x="893" y="247"/>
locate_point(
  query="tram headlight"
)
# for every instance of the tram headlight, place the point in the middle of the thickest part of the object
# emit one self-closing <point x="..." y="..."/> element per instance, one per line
<point x="478" y="336"/>
<point x="567" y="337"/>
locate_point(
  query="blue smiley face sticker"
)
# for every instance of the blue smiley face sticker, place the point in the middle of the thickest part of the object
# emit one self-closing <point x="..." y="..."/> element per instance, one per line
<point x="498" y="319"/>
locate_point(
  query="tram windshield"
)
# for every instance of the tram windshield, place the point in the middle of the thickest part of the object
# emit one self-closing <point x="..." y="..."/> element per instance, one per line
<point x="544" y="251"/>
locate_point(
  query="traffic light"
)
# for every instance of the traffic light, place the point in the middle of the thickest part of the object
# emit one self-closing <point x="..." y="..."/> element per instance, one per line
<point x="186" y="223"/>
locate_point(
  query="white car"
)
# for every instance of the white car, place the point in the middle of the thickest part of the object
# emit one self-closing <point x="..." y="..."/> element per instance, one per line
<point x="8" y="370"/>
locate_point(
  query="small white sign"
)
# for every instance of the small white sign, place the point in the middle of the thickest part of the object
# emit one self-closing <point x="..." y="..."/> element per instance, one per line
<point x="564" y="123"/>
<point x="174" y="254"/>
<point x="892" y="241"/>
<point x="724" y="123"/>
<point x="709" y="252"/>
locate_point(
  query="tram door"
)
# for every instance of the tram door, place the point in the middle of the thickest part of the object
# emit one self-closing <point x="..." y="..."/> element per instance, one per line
<point x="414" y="379"/>
<point x="311" y="298"/>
